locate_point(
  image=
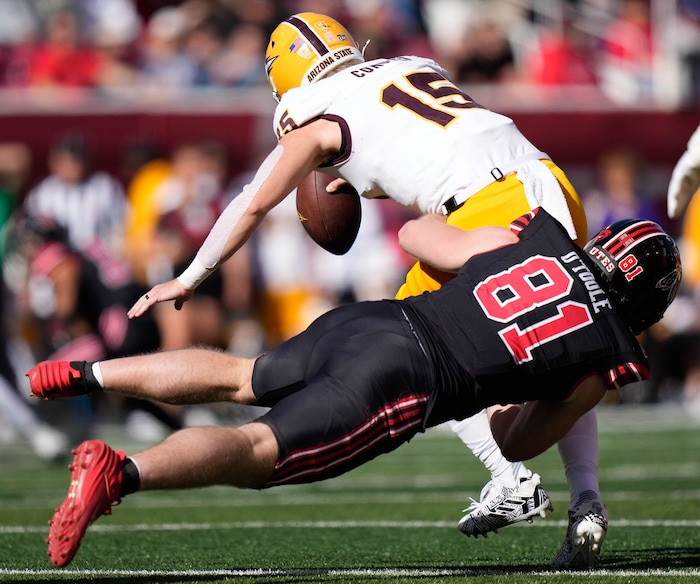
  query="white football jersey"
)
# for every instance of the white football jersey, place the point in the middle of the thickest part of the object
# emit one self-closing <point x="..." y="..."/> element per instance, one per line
<point x="410" y="134"/>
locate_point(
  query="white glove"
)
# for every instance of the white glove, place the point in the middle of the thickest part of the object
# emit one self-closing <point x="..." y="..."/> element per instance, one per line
<point x="685" y="179"/>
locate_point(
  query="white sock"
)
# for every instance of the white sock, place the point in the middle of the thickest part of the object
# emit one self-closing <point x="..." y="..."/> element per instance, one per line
<point x="97" y="372"/>
<point x="579" y="453"/>
<point x="475" y="432"/>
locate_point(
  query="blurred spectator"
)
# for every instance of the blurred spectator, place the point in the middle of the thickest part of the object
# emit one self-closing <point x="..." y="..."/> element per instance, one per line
<point x="472" y="38"/>
<point x="673" y="344"/>
<point x="688" y="40"/>
<point x="204" y="44"/>
<point x="79" y="299"/>
<point x="266" y="14"/>
<point x="560" y="55"/>
<point x="679" y="340"/>
<point x="237" y="63"/>
<point x="390" y="30"/>
<point x="78" y="302"/>
<point x="145" y="173"/>
<point x="15" y="165"/>
<point x="290" y="297"/>
<point x="164" y="64"/>
<point x="619" y="194"/>
<point x="298" y="280"/>
<point x="62" y="58"/>
<point x="18" y="27"/>
<point x="626" y="53"/>
<point x="446" y="22"/>
<point x="170" y="44"/>
<point x="73" y="212"/>
<point x="114" y="27"/>
<point x="485" y="56"/>
<point x="182" y="199"/>
<point x="109" y="21"/>
<point x="186" y="202"/>
<point x="88" y="204"/>
<point x="372" y="268"/>
<point x="18" y="416"/>
<point x="18" y="23"/>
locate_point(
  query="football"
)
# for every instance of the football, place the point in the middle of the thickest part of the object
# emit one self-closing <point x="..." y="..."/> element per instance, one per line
<point x="331" y="220"/>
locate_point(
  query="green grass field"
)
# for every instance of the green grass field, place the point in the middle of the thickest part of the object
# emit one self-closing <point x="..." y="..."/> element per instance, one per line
<point x="393" y="520"/>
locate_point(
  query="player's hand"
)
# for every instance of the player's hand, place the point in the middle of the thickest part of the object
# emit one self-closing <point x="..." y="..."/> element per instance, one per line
<point x="171" y="290"/>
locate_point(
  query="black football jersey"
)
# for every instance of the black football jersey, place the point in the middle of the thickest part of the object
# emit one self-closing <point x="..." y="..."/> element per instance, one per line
<point x="524" y="322"/>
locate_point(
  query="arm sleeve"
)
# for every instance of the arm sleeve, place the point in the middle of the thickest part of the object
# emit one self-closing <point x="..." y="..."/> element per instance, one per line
<point x="212" y="251"/>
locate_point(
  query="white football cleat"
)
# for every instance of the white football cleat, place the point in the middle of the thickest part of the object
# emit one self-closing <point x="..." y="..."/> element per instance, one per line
<point x="588" y="525"/>
<point x="500" y="506"/>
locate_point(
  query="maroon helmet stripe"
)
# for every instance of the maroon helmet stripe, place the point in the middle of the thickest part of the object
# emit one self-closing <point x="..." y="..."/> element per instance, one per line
<point x="309" y="35"/>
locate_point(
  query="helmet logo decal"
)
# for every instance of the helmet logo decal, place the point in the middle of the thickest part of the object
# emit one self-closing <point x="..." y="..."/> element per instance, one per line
<point x="670" y="283"/>
<point x="268" y="64"/>
<point x="299" y="46"/>
<point x="603" y="234"/>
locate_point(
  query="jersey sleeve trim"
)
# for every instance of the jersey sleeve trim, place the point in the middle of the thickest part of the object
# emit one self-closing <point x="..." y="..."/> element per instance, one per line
<point x="346" y="145"/>
<point x="523" y="221"/>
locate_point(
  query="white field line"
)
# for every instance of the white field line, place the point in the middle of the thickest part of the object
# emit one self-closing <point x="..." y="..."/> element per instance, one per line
<point x="385" y="573"/>
<point x="218" y="498"/>
<point x="22" y="529"/>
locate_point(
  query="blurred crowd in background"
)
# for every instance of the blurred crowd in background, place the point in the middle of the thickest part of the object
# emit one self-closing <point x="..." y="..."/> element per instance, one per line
<point x="80" y="245"/>
<point x="632" y="50"/>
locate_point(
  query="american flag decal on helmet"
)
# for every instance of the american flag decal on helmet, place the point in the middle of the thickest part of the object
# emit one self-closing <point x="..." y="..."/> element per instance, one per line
<point x="309" y="34"/>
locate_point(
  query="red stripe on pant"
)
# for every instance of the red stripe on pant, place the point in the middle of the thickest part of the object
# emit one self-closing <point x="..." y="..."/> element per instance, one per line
<point x="392" y="421"/>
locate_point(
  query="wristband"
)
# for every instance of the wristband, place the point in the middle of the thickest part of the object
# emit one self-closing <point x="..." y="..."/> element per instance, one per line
<point x="194" y="275"/>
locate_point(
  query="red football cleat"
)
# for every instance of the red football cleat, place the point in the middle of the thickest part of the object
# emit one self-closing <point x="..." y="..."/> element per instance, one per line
<point x="54" y="379"/>
<point x="95" y="486"/>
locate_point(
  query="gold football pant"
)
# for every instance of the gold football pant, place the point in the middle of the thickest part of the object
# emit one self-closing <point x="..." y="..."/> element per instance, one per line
<point x="497" y="204"/>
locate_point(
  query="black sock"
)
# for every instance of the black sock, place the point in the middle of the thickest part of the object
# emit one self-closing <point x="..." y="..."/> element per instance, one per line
<point x="130" y="478"/>
<point x="87" y="378"/>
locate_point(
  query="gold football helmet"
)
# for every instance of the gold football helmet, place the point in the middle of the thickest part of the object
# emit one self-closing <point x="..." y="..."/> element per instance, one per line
<point x="305" y="48"/>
